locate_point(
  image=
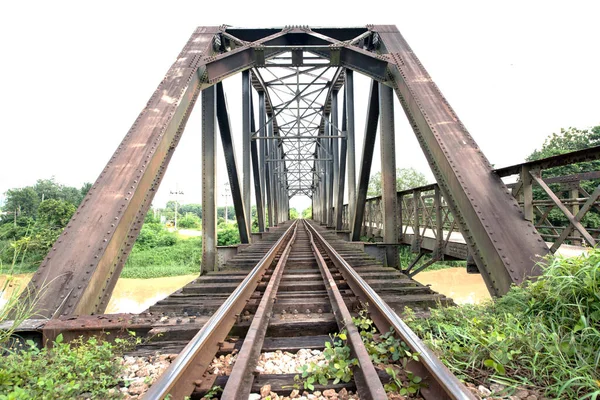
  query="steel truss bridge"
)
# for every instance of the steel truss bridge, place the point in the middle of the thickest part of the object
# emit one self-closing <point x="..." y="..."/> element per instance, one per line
<point x="303" y="143"/>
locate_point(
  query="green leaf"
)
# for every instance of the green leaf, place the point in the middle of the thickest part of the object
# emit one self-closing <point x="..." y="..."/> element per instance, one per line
<point x="59" y="338"/>
<point x="342" y="336"/>
<point x="489" y="363"/>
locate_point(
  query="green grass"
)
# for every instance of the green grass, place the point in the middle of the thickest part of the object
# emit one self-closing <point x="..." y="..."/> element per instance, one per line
<point x="545" y="335"/>
<point x="181" y="258"/>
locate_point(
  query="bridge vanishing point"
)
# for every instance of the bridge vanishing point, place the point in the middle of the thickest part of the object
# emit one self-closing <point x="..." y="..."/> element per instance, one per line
<point x="303" y="143"/>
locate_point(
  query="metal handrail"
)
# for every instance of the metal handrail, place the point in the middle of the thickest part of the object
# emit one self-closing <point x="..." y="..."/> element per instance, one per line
<point x="450" y="383"/>
<point x="166" y="382"/>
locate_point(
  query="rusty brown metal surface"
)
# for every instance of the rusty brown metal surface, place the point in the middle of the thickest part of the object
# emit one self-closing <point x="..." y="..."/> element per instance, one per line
<point x="111" y="326"/>
<point x="504" y="245"/>
<point x="590" y="154"/>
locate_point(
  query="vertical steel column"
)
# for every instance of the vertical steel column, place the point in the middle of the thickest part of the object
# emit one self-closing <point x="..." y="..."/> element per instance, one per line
<point x="323" y="171"/>
<point x="527" y="190"/>
<point x="262" y="149"/>
<point x="388" y="178"/>
<point x="232" y="170"/>
<point x="275" y="176"/>
<point x="439" y="227"/>
<point x="316" y="197"/>
<point x="246" y="112"/>
<point x="342" y="174"/>
<point x="334" y="154"/>
<point x="260" y="211"/>
<point x="273" y="171"/>
<point x="350" y="146"/>
<point x="209" y="180"/>
<point x="367" y="158"/>
<point x="268" y="172"/>
<point x="329" y="170"/>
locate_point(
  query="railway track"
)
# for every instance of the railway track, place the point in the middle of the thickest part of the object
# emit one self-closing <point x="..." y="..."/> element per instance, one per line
<point x="300" y="293"/>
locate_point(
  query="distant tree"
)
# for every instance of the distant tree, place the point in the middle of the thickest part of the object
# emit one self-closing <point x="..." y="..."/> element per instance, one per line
<point x="48" y="189"/>
<point x="171" y="205"/>
<point x="230" y="212"/>
<point x="189" y="220"/>
<point x="406" y="178"/>
<point x="195" y="209"/>
<point x="307" y="213"/>
<point x="85" y="189"/>
<point x="55" y="213"/>
<point x="26" y="200"/>
<point x="293" y="213"/>
<point x="23" y="201"/>
<point x="151" y="218"/>
<point x="567" y="140"/>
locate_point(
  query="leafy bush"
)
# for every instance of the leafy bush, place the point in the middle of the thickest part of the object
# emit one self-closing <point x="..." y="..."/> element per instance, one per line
<point x="338" y="366"/>
<point x="545" y="334"/>
<point x="76" y="370"/>
<point x="189" y="221"/>
<point x="154" y="235"/>
<point x="228" y="235"/>
<point x="55" y="213"/>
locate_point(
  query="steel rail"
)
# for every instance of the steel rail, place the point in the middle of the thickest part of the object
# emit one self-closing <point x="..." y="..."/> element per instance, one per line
<point x="178" y="379"/>
<point x="239" y="384"/>
<point x="367" y="381"/>
<point x="448" y="386"/>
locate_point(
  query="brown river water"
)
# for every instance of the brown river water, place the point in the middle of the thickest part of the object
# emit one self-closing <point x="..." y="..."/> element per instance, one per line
<point x="136" y="295"/>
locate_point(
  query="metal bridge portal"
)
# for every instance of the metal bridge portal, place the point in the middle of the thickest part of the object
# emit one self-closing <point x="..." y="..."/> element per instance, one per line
<point x="303" y="143"/>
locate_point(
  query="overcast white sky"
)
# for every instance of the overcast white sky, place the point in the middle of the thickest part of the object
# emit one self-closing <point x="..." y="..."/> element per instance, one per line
<point x="75" y="75"/>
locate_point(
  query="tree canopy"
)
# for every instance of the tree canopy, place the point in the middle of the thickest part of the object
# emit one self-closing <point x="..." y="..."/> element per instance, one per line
<point x="26" y="201"/>
<point x="406" y="178"/>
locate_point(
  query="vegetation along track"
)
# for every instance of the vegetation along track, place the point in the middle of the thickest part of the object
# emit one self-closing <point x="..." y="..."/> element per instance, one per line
<point x="300" y="295"/>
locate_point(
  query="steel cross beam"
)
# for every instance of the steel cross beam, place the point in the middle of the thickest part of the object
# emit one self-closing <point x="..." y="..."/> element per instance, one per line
<point x="232" y="170"/>
<point x="260" y="211"/>
<point x="367" y="159"/>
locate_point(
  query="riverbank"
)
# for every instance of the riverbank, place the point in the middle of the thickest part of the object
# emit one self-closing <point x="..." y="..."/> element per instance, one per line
<point x="130" y="295"/>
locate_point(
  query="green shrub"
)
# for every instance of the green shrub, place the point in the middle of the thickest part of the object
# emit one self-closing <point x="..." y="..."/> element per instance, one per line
<point x="545" y="334"/>
<point x="189" y="221"/>
<point x="228" y="235"/>
<point x="76" y="370"/>
<point x="154" y="235"/>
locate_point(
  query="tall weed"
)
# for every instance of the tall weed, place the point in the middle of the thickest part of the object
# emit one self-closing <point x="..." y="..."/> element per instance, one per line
<point x="545" y="334"/>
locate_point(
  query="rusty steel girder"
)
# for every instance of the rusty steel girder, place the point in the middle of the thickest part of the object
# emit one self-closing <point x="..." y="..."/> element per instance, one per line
<point x="504" y="245"/>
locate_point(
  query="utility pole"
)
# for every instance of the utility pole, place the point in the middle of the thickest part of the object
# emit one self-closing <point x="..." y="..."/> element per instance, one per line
<point x="176" y="193"/>
<point x="226" y="194"/>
